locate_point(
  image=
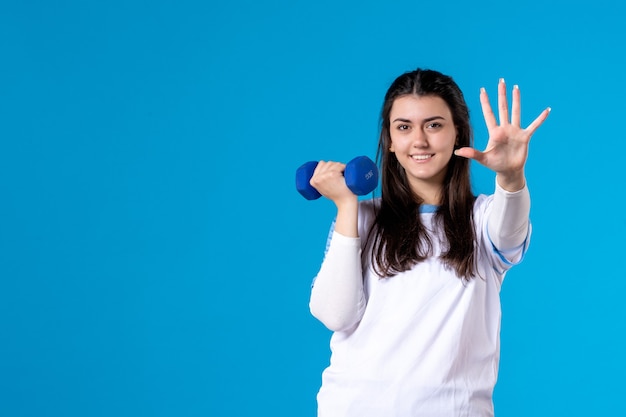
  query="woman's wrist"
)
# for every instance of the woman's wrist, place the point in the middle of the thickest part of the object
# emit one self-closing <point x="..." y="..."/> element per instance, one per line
<point x="511" y="182"/>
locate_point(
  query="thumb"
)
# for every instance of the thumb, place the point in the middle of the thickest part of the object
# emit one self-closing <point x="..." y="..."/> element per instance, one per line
<point x="470" y="153"/>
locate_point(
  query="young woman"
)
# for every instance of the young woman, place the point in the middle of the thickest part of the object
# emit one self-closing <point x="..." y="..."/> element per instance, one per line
<point x="410" y="281"/>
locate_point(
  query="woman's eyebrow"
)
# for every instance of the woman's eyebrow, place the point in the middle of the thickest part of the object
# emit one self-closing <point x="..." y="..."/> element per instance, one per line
<point x="401" y="120"/>
<point x="428" y="119"/>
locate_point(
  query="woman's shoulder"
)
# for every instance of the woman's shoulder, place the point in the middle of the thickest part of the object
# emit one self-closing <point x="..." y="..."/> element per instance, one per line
<point x="482" y="201"/>
<point x="368" y="207"/>
<point x="369" y="202"/>
<point x="482" y="206"/>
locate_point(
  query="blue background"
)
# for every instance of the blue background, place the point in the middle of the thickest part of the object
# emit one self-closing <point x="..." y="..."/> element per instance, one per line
<point x="155" y="258"/>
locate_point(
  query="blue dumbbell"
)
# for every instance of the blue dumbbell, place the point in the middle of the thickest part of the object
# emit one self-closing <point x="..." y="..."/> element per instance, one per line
<point x="361" y="176"/>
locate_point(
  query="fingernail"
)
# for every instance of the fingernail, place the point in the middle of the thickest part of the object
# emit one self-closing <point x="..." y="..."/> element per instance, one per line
<point x="482" y="89"/>
<point x="501" y="80"/>
<point x="549" y="108"/>
<point x="516" y="87"/>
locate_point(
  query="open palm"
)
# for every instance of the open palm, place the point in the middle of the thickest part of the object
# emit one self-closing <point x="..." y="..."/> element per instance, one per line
<point x="507" y="147"/>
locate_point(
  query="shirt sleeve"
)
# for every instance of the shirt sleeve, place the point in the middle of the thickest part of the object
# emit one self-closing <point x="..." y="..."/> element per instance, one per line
<point x="508" y="224"/>
<point x="337" y="295"/>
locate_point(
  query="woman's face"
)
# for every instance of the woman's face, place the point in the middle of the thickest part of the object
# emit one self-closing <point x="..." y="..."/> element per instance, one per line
<point x="423" y="136"/>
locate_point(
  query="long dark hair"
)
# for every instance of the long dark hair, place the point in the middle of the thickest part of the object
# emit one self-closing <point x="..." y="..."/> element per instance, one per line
<point x="398" y="237"/>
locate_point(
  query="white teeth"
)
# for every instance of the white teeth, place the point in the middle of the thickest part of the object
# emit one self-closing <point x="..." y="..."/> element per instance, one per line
<point x="421" y="157"/>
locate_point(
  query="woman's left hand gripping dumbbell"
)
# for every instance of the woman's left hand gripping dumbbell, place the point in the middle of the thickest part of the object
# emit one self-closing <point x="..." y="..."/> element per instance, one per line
<point x="328" y="179"/>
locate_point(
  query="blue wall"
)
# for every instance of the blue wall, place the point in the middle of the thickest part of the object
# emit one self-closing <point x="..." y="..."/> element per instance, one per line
<point x="155" y="258"/>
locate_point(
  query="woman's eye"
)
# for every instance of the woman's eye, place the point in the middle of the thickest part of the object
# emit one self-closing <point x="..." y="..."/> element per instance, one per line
<point x="433" y="125"/>
<point x="403" y="127"/>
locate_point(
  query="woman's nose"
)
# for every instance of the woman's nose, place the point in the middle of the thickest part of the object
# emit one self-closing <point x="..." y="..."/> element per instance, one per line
<point x="420" y="140"/>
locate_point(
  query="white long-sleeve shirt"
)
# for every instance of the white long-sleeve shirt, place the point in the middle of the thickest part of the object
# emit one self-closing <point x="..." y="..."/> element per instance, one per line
<point x="424" y="342"/>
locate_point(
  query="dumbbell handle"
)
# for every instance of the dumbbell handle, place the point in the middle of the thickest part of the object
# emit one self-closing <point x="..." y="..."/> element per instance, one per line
<point x="361" y="176"/>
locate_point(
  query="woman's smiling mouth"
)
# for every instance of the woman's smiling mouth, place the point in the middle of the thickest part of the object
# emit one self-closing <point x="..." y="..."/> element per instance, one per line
<point x="422" y="157"/>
